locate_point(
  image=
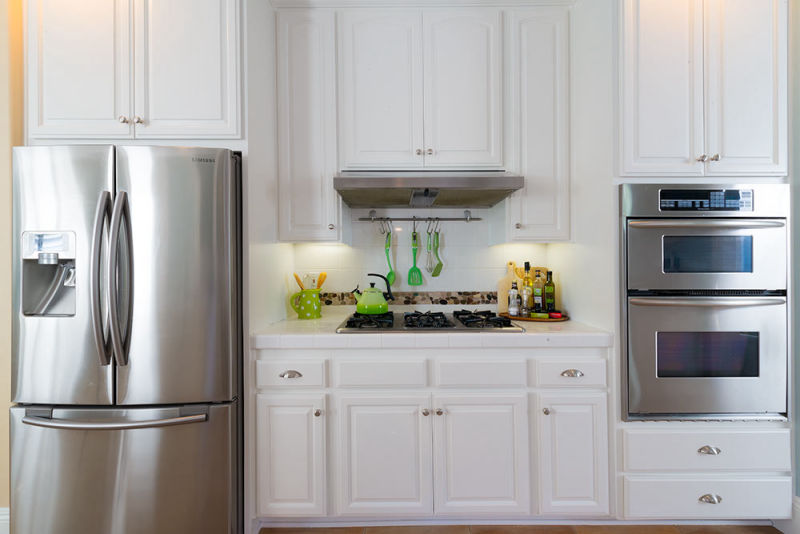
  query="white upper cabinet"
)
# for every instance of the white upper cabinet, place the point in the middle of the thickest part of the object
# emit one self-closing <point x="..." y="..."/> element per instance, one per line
<point x="380" y="80"/>
<point x="309" y="208"/>
<point x="90" y="76"/>
<point x="463" y="83"/>
<point x="79" y="68"/>
<point x="704" y="88"/>
<point x="746" y="76"/>
<point x="186" y="68"/>
<point x="537" y="104"/>
<point x="420" y="88"/>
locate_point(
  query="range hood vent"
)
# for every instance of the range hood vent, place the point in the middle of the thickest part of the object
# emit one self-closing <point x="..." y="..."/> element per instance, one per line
<point x="425" y="189"/>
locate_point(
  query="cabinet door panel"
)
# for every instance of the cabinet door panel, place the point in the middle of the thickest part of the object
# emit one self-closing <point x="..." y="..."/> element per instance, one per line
<point x="746" y="94"/>
<point x="662" y="88"/>
<point x="537" y="92"/>
<point x="481" y="444"/>
<point x="384" y="456"/>
<point x="573" y="453"/>
<point x="463" y="78"/>
<point x="79" y="68"/>
<point x="187" y="68"/>
<point x="308" y="204"/>
<point x="290" y="455"/>
<point x="380" y="88"/>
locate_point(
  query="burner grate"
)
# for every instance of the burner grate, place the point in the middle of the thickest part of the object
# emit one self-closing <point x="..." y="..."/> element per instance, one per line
<point x="426" y="320"/>
<point x="481" y="319"/>
<point x="366" y="321"/>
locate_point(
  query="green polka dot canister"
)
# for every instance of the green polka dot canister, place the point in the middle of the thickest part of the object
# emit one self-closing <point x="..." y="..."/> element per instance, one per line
<point x="306" y="303"/>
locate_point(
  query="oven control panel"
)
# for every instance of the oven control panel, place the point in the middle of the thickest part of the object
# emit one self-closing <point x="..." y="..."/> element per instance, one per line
<point x="706" y="199"/>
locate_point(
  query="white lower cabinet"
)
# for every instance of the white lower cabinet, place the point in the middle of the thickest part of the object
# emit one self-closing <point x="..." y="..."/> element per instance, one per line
<point x="290" y="457"/>
<point x="481" y="454"/>
<point x="384" y="458"/>
<point x="573" y="453"/>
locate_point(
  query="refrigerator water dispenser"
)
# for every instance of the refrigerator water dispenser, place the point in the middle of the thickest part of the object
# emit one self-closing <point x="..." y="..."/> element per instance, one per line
<point x="48" y="273"/>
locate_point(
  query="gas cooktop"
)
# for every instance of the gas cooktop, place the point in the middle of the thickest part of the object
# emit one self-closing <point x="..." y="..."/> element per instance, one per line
<point x="458" y="321"/>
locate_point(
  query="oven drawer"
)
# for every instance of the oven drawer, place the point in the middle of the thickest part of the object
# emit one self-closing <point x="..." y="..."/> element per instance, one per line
<point x="708" y="497"/>
<point x="687" y="254"/>
<point x="672" y="450"/>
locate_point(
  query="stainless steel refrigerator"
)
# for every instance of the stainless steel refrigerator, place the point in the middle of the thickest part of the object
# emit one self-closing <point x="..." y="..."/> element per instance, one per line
<point x="126" y="364"/>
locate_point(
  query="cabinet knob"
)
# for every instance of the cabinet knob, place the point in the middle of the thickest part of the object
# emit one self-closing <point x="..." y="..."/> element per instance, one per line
<point x="710" y="498"/>
<point x="291" y="373"/>
<point x="702" y="159"/>
<point x="419" y="152"/>
<point x="572" y="373"/>
<point x="426" y="412"/>
<point x="518" y="226"/>
<point x="429" y="152"/>
<point x="123" y="119"/>
<point x="708" y="449"/>
<point x="138" y="120"/>
<point x="439" y="411"/>
<point x="546" y="411"/>
<point x="331" y="226"/>
<point x="317" y="413"/>
<point x="715" y="157"/>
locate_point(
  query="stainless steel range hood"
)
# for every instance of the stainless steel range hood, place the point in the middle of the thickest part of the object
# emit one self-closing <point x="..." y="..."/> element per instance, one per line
<point x="425" y="189"/>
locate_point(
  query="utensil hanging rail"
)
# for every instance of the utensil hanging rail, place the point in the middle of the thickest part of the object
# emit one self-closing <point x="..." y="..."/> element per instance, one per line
<point x="373" y="217"/>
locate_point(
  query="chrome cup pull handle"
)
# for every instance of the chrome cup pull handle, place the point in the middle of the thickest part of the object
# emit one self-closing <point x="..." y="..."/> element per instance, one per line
<point x="291" y="373"/>
<point x="572" y="373"/>
<point x="710" y="498"/>
<point x="708" y="449"/>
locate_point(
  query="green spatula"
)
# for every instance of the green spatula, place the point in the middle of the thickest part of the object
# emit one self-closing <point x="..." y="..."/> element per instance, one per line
<point x="414" y="274"/>
<point x="390" y="274"/>
<point x="437" y="270"/>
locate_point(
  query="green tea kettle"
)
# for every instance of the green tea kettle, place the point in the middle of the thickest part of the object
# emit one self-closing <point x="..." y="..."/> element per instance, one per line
<point x="372" y="301"/>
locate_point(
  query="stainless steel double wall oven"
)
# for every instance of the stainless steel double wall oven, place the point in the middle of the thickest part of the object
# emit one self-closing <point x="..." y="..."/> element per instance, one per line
<point x="705" y="311"/>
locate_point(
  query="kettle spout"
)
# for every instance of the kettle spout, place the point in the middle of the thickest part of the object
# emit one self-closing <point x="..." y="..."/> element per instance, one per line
<point x="356" y="293"/>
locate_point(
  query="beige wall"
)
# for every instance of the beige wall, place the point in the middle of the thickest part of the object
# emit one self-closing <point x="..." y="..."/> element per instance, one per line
<point x="10" y="135"/>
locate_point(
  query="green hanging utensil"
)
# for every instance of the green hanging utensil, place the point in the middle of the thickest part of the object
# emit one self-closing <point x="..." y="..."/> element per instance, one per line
<point x="414" y="274"/>
<point x="438" y="269"/>
<point x="390" y="275"/>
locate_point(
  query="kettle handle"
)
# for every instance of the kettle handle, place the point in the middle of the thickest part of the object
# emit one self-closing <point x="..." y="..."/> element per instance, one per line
<point x="294" y="301"/>
<point x="388" y="295"/>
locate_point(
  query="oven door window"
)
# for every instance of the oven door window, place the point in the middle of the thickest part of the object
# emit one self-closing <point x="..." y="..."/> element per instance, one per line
<point x="706" y="354"/>
<point x="708" y="254"/>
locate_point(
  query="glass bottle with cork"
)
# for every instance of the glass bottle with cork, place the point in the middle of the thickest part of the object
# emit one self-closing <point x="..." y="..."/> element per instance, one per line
<point x="538" y="292"/>
<point x="526" y="292"/>
<point x="549" y="293"/>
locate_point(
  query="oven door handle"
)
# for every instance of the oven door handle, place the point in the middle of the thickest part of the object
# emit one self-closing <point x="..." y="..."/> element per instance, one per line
<point x="721" y="302"/>
<point x="702" y="223"/>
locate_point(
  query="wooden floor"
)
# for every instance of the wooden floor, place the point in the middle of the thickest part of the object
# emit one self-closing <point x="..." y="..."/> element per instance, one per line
<point x="537" y="529"/>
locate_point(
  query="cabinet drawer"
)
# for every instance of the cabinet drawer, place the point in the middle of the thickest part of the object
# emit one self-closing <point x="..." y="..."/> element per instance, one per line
<point x="562" y="373"/>
<point x="290" y="373"/>
<point x="673" y="450"/>
<point x="355" y="373"/>
<point x="680" y="498"/>
<point x="481" y="373"/>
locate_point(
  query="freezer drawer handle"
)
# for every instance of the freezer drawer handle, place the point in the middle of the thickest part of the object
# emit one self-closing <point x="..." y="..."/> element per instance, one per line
<point x="710" y="223"/>
<point x="711" y="302"/>
<point x="291" y="373"/>
<point x="86" y="425"/>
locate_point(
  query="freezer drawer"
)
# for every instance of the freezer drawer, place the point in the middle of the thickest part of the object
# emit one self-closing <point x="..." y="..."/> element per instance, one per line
<point x="151" y="471"/>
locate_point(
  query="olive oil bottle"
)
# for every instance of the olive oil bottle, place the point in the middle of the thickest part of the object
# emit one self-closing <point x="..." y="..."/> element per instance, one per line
<point x="538" y="292"/>
<point x="526" y="292"/>
<point x="549" y="293"/>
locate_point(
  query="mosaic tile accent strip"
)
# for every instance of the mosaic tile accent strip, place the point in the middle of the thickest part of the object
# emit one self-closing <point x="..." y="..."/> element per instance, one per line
<point x="419" y="297"/>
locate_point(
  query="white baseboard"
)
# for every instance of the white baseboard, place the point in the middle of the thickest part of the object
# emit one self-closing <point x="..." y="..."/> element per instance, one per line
<point x="5" y="524"/>
<point x="791" y="526"/>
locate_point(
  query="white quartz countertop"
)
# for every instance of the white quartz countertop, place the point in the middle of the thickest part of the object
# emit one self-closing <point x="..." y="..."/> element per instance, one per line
<point x="321" y="334"/>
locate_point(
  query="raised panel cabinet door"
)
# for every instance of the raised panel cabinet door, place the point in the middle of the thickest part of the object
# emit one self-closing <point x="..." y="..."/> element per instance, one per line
<point x="384" y="460"/>
<point x="290" y="455"/>
<point x="463" y="53"/>
<point x="662" y="88"/>
<point x="309" y="209"/>
<point x="573" y="453"/>
<point x="187" y="69"/>
<point x="537" y="115"/>
<point x="79" y="69"/>
<point x="746" y="87"/>
<point x="482" y="455"/>
<point x="380" y="88"/>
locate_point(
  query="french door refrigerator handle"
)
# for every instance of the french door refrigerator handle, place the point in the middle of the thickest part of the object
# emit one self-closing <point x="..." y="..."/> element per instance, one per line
<point x="86" y="425"/>
<point x="706" y="223"/>
<point x="102" y="213"/>
<point x="723" y="302"/>
<point x="120" y="345"/>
